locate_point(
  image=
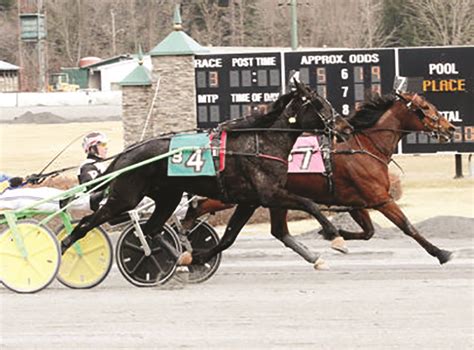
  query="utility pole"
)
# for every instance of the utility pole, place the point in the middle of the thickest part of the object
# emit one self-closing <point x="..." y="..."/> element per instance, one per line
<point x="294" y="22"/>
<point x="114" y="47"/>
<point x="32" y="45"/>
<point x="294" y="26"/>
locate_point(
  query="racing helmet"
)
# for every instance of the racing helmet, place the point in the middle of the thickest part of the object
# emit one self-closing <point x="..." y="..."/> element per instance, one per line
<point x="91" y="140"/>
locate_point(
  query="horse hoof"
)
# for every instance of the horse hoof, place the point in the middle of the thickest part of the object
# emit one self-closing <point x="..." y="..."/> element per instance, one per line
<point x="320" y="264"/>
<point x="339" y="244"/>
<point x="185" y="259"/>
<point x="444" y="256"/>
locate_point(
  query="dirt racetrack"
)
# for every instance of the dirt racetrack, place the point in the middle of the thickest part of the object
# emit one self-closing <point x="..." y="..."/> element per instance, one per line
<point x="387" y="293"/>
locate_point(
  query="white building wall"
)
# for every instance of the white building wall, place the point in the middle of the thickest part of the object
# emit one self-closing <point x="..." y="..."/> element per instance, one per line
<point x="114" y="73"/>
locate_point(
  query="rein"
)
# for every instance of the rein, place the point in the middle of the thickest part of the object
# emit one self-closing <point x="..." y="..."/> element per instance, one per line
<point x="39" y="178"/>
<point x="316" y="131"/>
<point x="258" y="155"/>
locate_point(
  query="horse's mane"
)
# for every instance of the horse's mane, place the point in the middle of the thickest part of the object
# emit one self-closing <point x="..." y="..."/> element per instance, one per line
<point x="260" y="120"/>
<point x="371" y="111"/>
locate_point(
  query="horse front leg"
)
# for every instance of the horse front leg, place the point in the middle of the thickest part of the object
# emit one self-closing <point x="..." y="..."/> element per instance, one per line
<point x="281" y="198"/>
<point x="362" y="218"/>
<point x="393" y="212"/>
<point x="239" y="218"/>
<point x="279" y="229"/>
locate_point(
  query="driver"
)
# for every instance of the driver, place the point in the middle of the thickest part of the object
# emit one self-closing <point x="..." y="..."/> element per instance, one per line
<point x="95" y="147"/>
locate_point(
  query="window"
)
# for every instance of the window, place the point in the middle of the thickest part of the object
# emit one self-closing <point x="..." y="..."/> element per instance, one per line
<point x="234" y="78"/>
<point x="234" y="111"/>
<point x="411" y="138"/>
<point x="321" y="80"/>
<point x="358" y="74"/>
<point x="214" y="113"/>
<point x="246" y="110"/>
<point x="422" y="138"/>
<point x="322" y="90"/>
<point x="304" y="75"/>
<point x="202" y="114"/>
<point x="321" y="75"/>
<point x="213" y="79"/>
<point x="376" y="89"/>
<point x="375" y="76"/>
<point x="201" y="79"/>
<point x="274" y="77"/>
<point x="358" y="92"/>
<point x="262" y="77"/>
<point x="246" y="78"/>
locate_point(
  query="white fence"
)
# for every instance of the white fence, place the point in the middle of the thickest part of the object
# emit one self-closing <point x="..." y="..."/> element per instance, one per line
<point x="68" y="105"/>
<point x="79" y="98"/>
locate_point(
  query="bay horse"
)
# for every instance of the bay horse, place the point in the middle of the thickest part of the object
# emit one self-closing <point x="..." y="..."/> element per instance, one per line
<point x="360" y="169"/>
<point x="255" y="172"/>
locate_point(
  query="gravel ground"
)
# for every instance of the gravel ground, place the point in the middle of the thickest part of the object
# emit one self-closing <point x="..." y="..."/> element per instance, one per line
<point x="386" y="294"/>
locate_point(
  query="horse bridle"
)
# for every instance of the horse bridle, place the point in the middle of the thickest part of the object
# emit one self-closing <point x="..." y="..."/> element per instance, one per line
<point x="328" y="121"/>
<point x="422" y="116"/>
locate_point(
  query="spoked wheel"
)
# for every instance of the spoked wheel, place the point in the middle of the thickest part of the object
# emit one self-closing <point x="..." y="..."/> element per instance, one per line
<point x="203" y="237"/>
<point x="154" y="269"/>
<point x="30" y="263"/>
<point x="88" y="261"/>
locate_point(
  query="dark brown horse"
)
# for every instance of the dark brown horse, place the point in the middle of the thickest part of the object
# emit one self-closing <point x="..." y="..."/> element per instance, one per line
<point x="254" y="175"/>
<point x="360" y="169"/>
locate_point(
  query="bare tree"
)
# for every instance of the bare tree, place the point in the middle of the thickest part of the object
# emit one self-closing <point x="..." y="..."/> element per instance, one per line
<point x="78" y="28"/>
<point x="9" y="37"/>
<point x="371" y="26"/>
<point x="210" y="23"/>
<point x="441" y="22"/>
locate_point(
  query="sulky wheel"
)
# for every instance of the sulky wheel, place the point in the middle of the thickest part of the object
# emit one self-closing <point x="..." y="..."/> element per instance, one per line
<point x="203" y="237"/>
<point x="88" y="261"/>
<point x="140" y="269"/>
<point x="29" y="263"/>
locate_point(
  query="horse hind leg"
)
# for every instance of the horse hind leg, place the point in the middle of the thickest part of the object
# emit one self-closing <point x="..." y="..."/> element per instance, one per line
<point x="362" y="218"/>
<point x="279" y="229"/>
<point x="393" y="212"/>
<point x="87" y="223"/>
<point x="114" y="206"/>
<point x="291" y="201"/>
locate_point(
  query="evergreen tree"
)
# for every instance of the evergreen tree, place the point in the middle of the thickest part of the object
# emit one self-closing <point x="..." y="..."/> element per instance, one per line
<point x="396" y="21"/>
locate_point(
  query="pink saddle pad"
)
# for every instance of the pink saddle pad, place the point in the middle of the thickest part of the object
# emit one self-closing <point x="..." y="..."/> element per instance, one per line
<point x="305" y="157"/>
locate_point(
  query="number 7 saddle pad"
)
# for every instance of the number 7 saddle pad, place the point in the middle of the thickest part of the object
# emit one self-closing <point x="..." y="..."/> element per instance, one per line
<point x="197" y="162"/>
<point x="305" y="157"/>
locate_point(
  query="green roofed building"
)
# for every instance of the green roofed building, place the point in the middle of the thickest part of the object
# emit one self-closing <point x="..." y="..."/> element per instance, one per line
<point x="177" y="42"/>
<point x="140" y="76"/>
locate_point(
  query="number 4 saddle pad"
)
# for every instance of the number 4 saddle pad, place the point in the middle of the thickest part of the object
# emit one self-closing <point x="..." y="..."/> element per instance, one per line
<point x="195" y="162"/>
<point x="305" y="157"/>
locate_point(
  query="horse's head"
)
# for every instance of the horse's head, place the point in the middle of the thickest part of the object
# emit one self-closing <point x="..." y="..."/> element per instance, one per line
<point x="427" y="116"/>
<point x="316" y="112"/>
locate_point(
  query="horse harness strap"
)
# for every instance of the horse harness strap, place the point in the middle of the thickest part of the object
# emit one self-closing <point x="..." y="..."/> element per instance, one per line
<point x="411" y="105"/>
<point x="386" y="162"/>
<point x="326" y="150"/>
<point x="221" y="178"/>
<point x="361" y="151"/>
<point x="257" y="153"/>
